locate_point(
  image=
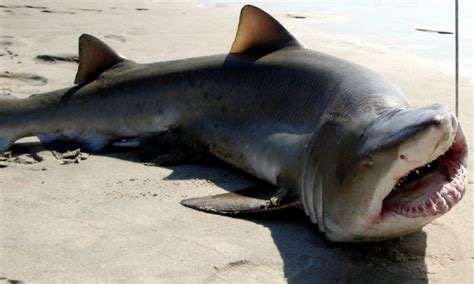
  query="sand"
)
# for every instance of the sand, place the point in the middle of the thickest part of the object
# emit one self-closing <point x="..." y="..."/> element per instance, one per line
<point x="110" y="218"/>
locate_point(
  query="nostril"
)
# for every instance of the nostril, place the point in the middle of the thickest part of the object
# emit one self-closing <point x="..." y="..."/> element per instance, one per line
<point x="439" y="118"/>
<point x="445" y="120"/>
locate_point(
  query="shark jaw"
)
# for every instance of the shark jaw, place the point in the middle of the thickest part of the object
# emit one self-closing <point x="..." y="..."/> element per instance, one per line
<point x="399" y="189"/>
<point x="432" y="189"/>
<point x="426" y="187"/>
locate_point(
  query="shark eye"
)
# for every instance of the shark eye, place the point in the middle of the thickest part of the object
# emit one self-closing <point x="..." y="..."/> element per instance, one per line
<point x="368" y="161"/>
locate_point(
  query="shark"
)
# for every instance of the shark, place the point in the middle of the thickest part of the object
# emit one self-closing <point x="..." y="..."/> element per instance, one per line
<point x="322" y="134"/>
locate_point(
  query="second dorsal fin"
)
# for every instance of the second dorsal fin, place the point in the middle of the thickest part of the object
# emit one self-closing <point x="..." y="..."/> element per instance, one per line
<point x="94" y="58"/>
<point x="259" y="29"/>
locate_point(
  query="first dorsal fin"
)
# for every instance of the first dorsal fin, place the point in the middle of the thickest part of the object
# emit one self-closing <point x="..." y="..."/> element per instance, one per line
<point x="259" y="29"/>
<point x="94" y="58"/>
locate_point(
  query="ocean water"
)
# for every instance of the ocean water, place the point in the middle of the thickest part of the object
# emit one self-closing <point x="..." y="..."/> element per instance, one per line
<point x="390" y="24"/>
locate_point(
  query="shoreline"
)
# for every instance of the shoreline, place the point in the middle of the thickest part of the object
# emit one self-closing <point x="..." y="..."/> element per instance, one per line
<point x="356" y="22"/>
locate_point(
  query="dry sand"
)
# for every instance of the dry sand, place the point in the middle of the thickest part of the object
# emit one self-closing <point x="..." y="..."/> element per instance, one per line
<point x="111" y="218"/>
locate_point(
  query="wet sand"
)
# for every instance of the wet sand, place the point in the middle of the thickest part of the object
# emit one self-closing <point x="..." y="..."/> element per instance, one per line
<point x="111" y="218"/>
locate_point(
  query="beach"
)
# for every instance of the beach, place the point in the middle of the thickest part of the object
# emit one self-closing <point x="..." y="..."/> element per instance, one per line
<point x="110" y="218"/>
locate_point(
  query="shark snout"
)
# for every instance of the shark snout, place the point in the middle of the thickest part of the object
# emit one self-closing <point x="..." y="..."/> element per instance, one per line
<point x="443" y="118"/>
<point x="434" y="136"/>
<point x="420" y="128"/>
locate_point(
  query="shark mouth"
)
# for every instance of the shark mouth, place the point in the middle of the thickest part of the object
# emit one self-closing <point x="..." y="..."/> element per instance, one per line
<point x="434" y="188"/>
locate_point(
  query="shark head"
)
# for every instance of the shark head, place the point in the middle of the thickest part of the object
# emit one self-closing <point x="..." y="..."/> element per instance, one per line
<point x="403" y="171"/>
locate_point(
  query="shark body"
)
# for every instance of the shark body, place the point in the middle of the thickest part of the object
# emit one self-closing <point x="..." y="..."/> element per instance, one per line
<point x="325" y="134"/>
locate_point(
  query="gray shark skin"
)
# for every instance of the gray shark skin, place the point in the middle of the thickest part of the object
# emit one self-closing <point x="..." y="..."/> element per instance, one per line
<point x="325" y="134"/>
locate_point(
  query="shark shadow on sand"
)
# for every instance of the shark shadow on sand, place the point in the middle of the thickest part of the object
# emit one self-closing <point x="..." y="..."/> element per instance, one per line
<point x="307" y="255"/>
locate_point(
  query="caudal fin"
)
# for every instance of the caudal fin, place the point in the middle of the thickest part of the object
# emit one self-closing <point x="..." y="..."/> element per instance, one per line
<point x="4" y="145"/>
<point x="6" y="139"/>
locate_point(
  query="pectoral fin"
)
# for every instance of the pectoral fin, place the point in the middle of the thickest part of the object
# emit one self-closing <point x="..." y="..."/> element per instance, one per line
<point x="255" y="199"/>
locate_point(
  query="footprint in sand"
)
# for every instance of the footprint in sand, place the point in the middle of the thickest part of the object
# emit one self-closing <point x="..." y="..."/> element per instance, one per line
<point x="7" y="43"/>
<point x="57" y="12"/>
<point x="19" y="7"/>
<point x="33" y="7"/>
<point x="10" y="281"/>
<point x="9" y="40"/>
<point x="88" y="10"/>
<point x="23" y="78"/>
<point x="6" y="40"/>
<point x="6" y="95"/>
<point x="57" y="58"/>
<point x="7" y="52"/>
<point x="116" y="37"/>
<point x="42" y="9"/>
<point x="233" y="269"/>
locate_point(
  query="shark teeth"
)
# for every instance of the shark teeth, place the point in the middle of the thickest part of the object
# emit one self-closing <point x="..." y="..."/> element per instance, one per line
<point x="432" y="189"/>
<point x="440" y="202"/>
<point x="416" y="173"/>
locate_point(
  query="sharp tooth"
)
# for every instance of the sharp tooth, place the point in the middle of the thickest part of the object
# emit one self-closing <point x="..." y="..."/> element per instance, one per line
<point x="457" y="195"/>
<point x="417" y="172"/>
<point x="439" y="196"/>
<point x="429" y="165"/>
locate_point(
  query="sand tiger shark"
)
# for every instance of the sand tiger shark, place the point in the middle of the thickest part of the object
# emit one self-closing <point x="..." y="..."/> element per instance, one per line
<point x="325" y="135"/>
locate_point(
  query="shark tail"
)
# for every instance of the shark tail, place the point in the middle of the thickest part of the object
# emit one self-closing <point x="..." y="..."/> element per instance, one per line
<point x="5" y="145"/>
<point x="6" y="138"/>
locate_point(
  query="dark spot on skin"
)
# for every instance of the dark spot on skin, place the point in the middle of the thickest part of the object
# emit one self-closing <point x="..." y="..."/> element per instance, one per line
<point x="402" y="157"/>
<point x="206" y="95"/>
<point x="219" y="98"/>
<point x="223" y="109"/>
